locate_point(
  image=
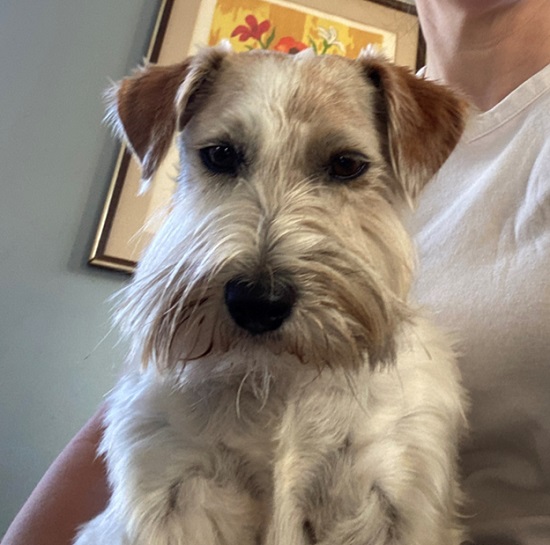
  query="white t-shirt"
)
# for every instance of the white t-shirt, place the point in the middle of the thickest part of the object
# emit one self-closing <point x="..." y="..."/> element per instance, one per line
<point x="483" y="234"/>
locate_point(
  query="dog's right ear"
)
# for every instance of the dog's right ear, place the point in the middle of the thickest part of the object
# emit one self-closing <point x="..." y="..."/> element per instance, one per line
<point x="147" y="108"/>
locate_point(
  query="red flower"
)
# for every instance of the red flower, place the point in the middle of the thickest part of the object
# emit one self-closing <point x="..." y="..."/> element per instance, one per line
<point x="253" y="30"/>
<point x="289" y="45"/>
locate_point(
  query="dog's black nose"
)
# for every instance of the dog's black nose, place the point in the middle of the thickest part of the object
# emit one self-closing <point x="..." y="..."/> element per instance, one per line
<point x="259" y="306"/>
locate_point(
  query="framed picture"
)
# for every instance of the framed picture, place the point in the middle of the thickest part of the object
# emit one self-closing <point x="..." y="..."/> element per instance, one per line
<point x="130" y="219"/>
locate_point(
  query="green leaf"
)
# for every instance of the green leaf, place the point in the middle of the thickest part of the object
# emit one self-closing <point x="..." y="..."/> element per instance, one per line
<point x="313" y="45"/>
<point x="270" y="39"/>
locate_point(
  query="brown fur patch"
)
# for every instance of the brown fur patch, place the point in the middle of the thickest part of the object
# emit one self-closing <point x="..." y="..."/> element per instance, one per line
<point x="424" y="122"/>
<point x="147" y="110"/>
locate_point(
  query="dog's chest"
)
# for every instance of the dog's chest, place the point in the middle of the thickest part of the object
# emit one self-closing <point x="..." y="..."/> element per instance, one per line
<point x="234" y="428"/>
<point x="250" y="434"/>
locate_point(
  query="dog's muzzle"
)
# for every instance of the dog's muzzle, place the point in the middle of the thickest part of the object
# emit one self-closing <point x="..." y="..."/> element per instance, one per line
<point x="259" y="306"/>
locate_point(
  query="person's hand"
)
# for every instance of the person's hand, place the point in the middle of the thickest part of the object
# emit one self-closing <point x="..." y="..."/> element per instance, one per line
<point x="72" y="491"/>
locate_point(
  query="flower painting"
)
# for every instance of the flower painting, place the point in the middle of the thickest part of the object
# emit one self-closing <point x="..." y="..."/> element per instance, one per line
<point x="290" y="28"/>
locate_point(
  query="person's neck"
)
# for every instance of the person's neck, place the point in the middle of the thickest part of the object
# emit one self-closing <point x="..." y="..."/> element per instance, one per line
<point x="485" y="53"/>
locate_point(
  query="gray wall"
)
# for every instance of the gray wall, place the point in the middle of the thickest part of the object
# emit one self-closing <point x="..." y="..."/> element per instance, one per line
<point x="55" y="164"/>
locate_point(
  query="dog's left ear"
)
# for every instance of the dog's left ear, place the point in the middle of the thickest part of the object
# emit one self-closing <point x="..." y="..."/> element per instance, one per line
<point x="147" y="108"/>
<point x="424" y="122"/>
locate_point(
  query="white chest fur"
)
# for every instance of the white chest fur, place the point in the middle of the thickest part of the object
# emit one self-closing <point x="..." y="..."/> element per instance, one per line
<point x="302" y="461"/>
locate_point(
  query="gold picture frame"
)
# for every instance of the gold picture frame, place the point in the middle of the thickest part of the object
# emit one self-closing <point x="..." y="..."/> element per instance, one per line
<point x="130" y="219"/>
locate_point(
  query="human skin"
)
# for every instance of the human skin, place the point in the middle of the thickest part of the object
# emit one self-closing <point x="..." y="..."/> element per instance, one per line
<point x="485" y="48"/>
<point x="72" y="491"/>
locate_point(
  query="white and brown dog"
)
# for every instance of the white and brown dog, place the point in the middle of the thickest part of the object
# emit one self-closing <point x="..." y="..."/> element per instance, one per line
<point x="288" y="392"/>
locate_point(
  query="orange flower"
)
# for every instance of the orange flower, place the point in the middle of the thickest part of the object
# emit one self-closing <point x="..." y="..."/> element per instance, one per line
<point x="289" y="45"/>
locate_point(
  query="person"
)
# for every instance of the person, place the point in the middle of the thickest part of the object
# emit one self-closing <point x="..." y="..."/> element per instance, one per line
<point x="483" y="231"/>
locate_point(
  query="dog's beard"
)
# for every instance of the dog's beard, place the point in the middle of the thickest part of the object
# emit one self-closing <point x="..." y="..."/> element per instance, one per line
<point x="350" y="282"/>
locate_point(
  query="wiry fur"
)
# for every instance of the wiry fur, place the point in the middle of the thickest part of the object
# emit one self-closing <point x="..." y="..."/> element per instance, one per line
<point x="341" y="426"/>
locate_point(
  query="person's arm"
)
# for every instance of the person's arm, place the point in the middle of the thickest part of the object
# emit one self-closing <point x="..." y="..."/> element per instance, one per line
<point x="72" y="491"/>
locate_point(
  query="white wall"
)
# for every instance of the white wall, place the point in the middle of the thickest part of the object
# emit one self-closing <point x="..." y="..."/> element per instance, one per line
<point x="55" y="164"/>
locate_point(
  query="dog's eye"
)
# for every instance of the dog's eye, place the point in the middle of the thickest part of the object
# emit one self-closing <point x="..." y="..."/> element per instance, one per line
<point x="347" y="166"/>
<point x="221" y="159"/>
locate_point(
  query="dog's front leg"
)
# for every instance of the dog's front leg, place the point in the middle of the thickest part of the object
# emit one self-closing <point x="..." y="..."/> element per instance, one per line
<point x="173" y="481"/>
<point x="289" y="523"/>
<point x="368" y="460"/>
<point x="331" y="470"/>
<point x="313" y="441"/>
<point x="323" y="493"/>
<point x="198" y="510"/>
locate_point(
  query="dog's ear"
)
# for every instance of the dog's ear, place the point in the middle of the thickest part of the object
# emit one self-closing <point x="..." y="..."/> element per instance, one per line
<point x="423" y="120"/>
<point x="148" y="107"/>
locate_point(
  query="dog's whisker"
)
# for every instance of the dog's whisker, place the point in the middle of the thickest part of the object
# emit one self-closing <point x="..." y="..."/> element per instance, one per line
<point x="239" y="392"/>
<point x="353" y="388"/>
<point x="192" y="357"/>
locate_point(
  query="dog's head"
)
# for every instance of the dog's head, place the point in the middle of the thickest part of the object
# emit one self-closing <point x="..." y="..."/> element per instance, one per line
<point x="285" y="235"/>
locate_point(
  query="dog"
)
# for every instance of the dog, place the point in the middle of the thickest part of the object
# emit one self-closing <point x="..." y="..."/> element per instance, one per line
<point x="281" y="387"/>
